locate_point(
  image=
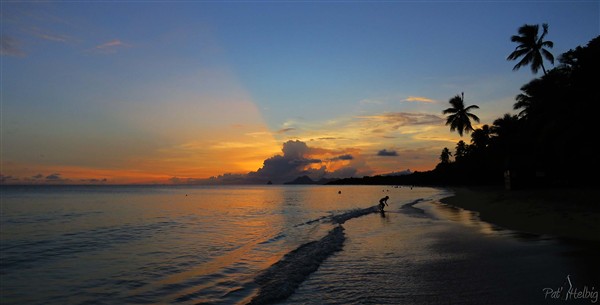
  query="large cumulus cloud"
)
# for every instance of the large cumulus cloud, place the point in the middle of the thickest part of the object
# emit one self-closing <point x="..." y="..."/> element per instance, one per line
<point x="297" y="159"/>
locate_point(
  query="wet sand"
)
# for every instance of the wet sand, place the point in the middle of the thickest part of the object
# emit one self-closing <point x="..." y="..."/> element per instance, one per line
<point x="567" y="213"/>
<point x="427" y="252"/>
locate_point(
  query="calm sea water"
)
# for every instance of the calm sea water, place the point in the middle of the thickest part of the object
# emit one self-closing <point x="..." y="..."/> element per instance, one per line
<point x="207" y="245"/>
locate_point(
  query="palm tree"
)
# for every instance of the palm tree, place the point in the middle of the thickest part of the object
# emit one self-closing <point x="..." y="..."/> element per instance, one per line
<point x="445" y="156"/>
<point x="506" y="127"/>
<point x="459" y="117"/>
<point x="480" y="138"/>
<point x="531" y="48"/>
<point x="507" y="134"/>
<point x="462" y="149"/>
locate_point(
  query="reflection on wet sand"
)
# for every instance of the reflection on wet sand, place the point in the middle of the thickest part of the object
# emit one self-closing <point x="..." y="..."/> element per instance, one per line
<point x="465" y="217"/>
<point x="429" y="253"/>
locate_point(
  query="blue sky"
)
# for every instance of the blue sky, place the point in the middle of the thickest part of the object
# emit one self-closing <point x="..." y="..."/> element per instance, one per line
<point x="155" y="89"/>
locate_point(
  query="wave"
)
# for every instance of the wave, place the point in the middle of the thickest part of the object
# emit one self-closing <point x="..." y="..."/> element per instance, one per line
<point x="273" y="239"/>
<point x="311" y="221"/>
<point x="410" y="209"/>
<point x="281" y="279"/>
<point x="340" y="219"/>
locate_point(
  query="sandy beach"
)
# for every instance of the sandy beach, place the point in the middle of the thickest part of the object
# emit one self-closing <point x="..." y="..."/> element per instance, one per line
<point x="423" y="252"/>
<point x="568" y="213"/>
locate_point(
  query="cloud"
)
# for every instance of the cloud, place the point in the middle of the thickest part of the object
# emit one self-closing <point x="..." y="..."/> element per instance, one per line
<point x="110" y="46"/>
<point x="342" y="157"/>
<point x="387" y="153"/>
<point x="294" y="149"/>
<point x="44" y="34"/>
<point x="10" y="47"/>
<point x="297" y="159"/>
<point x="228" y="178"/>
<point x="419" y="99"/>
<point x="94" y="181"/>
<point x="8" y="179"/>
<point x="398" y="119"/>
<point x="293" y="163"/>
<point x="395" y="124"/>
<point x="53" y="177"/>
<point x="284" y="130"/>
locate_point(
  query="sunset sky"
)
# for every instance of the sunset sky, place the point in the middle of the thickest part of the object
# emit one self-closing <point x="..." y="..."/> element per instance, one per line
<point x="143" y="92"/>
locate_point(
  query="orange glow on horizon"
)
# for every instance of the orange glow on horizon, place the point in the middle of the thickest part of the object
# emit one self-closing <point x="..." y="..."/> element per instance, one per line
<point x="184" y="134"/>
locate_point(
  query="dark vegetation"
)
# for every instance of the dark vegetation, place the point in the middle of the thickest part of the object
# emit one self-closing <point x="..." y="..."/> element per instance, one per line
<point x="550" y="142"/>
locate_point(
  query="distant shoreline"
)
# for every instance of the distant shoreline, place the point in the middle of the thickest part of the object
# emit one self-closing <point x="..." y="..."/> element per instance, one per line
<point x="569" y="213"/>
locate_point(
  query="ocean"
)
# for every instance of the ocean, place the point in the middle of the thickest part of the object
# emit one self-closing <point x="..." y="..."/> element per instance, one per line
<point x="265" y="244"/>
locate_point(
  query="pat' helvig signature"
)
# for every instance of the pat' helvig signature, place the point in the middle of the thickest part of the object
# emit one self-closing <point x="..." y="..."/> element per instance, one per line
<point x="572" y="293"/>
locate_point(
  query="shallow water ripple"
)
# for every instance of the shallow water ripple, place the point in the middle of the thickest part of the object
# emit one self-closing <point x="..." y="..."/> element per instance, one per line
<point x="209" y="245"/>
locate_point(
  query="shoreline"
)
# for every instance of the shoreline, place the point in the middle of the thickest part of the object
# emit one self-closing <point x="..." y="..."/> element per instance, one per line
<point x="566" y="213"/>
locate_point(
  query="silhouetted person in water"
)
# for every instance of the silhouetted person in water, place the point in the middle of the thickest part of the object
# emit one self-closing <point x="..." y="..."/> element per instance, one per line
<point x="383" y="202"/>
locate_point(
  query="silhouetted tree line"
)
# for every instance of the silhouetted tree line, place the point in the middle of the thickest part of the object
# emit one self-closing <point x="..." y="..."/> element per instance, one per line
<point x="549" y="142"/>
